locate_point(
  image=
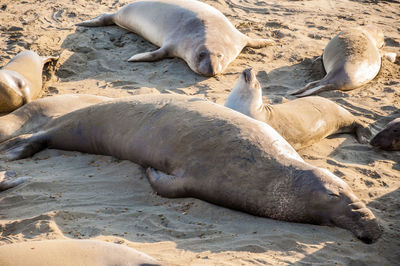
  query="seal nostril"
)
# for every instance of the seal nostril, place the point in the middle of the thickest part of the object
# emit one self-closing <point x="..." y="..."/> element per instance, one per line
<point x="366" y="240"/>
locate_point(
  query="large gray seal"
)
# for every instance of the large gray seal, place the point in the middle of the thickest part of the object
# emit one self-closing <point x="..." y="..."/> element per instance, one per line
<point x="302" y="122"/>
<point x="72" y="252"/>
<point x="21" y="80"/>
<point x="195" y="148"/>
<point x="194" y="31"/>
<point x="351" y="59"/>
<point x="389" y="137"/>
<point x="39" y="112"/>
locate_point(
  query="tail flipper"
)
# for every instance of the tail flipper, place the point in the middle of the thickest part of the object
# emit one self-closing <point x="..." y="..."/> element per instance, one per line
<point x="363" y="133"/>
<point x="5" y="183"/>
<point x="314" y="87"/>
<point x="46" y="59"/>
<point x="23" y="146"/>
<point x="102" y="20"/>
<point x="259" y="43"/>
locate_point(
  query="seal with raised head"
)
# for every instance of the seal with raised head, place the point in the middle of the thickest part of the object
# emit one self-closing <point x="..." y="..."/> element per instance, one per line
<point x="351" y="59"/>
<point x="302" y="122"/>
<point x="389" y="137"/>
<point x="72" y="252"/>
<point x="21" y="80"/>
<point x="194" y="31"/>
<point x="39" y="112"/>
<point x="195" y="148"/>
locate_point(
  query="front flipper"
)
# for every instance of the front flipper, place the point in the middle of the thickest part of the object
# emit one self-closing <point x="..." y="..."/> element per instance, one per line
<point x="259" y="43"/>
<point x="23" y="146"/>
<point x="166" y="185"/>
<point x="159" y="54"/>
<point x="5" y="183"/>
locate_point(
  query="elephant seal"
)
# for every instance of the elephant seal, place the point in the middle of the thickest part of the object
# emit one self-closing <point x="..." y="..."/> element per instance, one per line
<point x="187" y="144"/>
<point x="72" y="252"/>
<point x="39" y="112"/>
<point x="302" y="122"/>
<point x="388" y="138"/>
<point x="194" y="31"/>
<point x="351" y="59"/>
<point x="21" y="80"/>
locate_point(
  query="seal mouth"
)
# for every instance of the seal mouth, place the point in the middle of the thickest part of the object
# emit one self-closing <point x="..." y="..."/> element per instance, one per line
<point x="248" y="75"/>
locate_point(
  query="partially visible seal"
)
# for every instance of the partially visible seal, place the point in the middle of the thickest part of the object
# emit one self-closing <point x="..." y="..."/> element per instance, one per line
<point x="195" y="148"/>
<point x="72" y="252"/>
<point x="351" y="59"/>
<point x="302" y="122"/>
<point x="21" y="80"/>
<point x="389" y="137"/>
<point x="194" y="31"/>
<point x="39" y="112"/>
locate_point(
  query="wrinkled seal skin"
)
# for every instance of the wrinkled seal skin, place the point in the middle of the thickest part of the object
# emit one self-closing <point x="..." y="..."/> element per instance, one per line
<point x="194" y="31"/>
<point x="351" y="59"/>
<point x="187" y="144"/>
<point x="36" y="114"/>
<point x="301" y="122"/>
<point x="72" y="252"/>
<point x="389" y="138"/>
<point x="21" y="80"/>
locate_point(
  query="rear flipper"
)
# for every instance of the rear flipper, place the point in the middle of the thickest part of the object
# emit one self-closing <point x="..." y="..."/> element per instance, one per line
<point x="166" y="185"/>
<point x="46" y="59"/>
<point x="389" y="56"/>
<point x="23" y="146"/>
<point x="363" y="133"/>
<point x="259" y="43"/>
<point x="314" y="87"/>
<point x="5" y="183"/>
<point x="150" y="56"/>
<point x="102" y="20"/>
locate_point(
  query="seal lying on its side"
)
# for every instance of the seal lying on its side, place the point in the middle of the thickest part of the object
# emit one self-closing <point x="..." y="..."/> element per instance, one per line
<point x="37" y="113"/>
<point x="72" y="252"/>
<point x="190" y="142"/>
<point x="389" y="137"/>
<point x="194" y="31"/>
<point x="302" y="122"/>
<point x="21" y="80"/>
<point x="351" y="59"/>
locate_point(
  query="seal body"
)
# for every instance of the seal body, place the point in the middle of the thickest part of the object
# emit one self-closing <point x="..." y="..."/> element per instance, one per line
<point x="21" y="80"/>
<point x="36" y="114"/>
<point x="195" y="148"/>
<point x="72" y="252"/>
<point x="302" y="122"/>
<point x="351" y="59"/>
<point x="194" y="31"/>
<point x="389" y="137"/>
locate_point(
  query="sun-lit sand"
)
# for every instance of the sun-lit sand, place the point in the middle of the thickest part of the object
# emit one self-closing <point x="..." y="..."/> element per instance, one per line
<point x="83" y="196"/>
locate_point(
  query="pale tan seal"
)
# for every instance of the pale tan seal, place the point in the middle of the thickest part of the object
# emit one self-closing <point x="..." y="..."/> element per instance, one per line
<point x="389" y="137"/>
<point x="194" y="31"/>
<point x="302" y="122"/>
<point x="21" y="80"/>
<point x="72" y="252"/>
<point x="39" y="112"/>
<point x="195" y="148"/>
<point x="351" y="59"/>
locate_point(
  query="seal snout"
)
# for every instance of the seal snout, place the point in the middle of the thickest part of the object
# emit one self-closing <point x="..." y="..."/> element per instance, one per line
<point x="248" y="75"/>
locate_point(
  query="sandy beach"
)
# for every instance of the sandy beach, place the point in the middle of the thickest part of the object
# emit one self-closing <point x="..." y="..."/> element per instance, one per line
<point x="84" y="196"/>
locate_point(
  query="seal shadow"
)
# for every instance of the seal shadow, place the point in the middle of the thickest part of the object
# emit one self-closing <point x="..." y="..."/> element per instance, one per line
<point x="101" y="53"/>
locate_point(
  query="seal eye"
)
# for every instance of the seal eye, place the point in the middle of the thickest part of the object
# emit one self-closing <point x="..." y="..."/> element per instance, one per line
<point x="219" y="55"/>
<point x="202" y="55"/>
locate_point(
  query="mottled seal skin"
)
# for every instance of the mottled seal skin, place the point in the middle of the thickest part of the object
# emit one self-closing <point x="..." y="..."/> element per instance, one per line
<point x="72" y="252"/>
<point x="36" y="114"/>
<point x="21" y="80"/>
<point x="195" y="148"/>
<point x="302" y="122"/>
<point x="194" y="31"/>
<point x="389" y="138"/>
<point x="351" y="59"/>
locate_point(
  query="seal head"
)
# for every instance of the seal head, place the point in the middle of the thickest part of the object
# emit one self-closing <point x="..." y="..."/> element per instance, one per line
<point x="389" y="138"/>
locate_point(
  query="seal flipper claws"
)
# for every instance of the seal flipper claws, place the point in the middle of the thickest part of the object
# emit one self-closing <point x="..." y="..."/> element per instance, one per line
<point x="168" y="186"/>
<point x="150" y="56"/>
<point x="7" y="184"/>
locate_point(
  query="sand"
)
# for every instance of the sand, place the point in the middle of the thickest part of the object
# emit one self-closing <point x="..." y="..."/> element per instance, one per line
<point x="83" y="196"/>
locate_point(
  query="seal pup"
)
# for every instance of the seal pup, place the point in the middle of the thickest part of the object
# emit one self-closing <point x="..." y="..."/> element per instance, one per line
<point x="194" y="31"/>
<point x="351" y="59"/>
<point x="186" y="145"/>
<point x="39" y="112"/>
<point x="302" y="122"/>
<point x="72" y="252"/>
<point x="21" y="80"/>
<point x="388" y="138"/>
